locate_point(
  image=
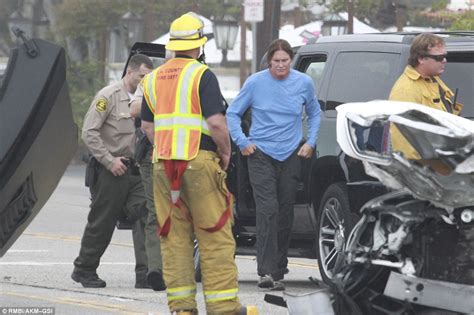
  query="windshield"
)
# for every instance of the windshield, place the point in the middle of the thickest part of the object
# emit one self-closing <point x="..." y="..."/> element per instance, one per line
<point x="378" y="70"/>
<point x="459" y="75"/>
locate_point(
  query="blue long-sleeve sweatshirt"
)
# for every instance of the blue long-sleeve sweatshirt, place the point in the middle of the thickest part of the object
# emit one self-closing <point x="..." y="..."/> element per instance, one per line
<point x="277" y="109"/>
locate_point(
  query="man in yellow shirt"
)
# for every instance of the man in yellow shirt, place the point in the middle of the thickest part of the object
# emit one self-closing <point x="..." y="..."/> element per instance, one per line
<point x="420" y="83"/>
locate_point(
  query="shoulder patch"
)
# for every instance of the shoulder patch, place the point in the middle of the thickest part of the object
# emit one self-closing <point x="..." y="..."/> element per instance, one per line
<point x="101" y="105"/>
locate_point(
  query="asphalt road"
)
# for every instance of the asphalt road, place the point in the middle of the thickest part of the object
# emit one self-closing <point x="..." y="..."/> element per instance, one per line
<point x="35" y="272"/>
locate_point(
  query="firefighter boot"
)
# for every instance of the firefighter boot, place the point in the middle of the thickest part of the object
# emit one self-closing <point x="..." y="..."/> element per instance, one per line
<point x="248" y="310"/>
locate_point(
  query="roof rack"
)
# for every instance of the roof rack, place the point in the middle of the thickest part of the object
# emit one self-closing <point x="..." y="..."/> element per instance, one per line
<point x="458" y="33"/>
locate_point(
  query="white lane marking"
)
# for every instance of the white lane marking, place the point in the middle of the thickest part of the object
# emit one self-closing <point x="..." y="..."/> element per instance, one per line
<point x="29" y="251"/>
<point x="34" y="263"/>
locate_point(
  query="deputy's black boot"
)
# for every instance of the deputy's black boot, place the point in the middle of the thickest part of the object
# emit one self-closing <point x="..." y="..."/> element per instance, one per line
<point x="88" y="279"/>
<point x="140" y="282"/>
<point x="155" y="279"/>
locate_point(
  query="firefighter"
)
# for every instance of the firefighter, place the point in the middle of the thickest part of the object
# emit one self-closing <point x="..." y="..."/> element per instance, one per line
<point x="420" y="83"/>
<point x="183" y="115"/>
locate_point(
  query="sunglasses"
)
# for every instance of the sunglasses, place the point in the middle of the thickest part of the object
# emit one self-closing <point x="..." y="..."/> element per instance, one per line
<point x="438" y="58"/>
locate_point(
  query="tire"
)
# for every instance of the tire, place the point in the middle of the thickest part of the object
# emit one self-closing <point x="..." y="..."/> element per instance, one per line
<point x="334" y="223"/>
<point x="197" y="263"/>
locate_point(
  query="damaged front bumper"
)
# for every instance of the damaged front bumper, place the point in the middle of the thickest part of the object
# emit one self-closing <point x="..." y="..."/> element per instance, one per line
<point x="439" y="294"/>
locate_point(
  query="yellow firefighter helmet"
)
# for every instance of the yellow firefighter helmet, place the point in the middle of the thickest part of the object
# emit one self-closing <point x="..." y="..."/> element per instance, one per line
<point x="186" y="32"/>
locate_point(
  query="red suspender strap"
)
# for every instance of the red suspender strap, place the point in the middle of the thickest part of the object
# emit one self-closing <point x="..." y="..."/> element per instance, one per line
<point x="174" y="169"/>
<point x="224" y="217"/>
<point x="165" y="229"/>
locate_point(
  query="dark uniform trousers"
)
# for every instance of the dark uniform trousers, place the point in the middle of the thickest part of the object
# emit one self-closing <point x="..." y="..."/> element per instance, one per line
<point x="152" y="242"/>
<point x="111" y="197"/>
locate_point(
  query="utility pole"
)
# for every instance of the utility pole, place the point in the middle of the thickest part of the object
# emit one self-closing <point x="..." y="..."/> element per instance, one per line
<point x="103" y="53"/>
<point x="400" y="13"/>
<point x="267" y="30"/>
<point x="243" y="48"/>
<point x="350" y="16"/>
<point x="149" y="21"/>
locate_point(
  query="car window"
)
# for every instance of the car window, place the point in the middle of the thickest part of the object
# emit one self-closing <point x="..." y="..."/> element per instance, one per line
<point x="314" y="67"/>
<point x="459" y="74"/>
<point x="362" y="76"/>
<point x="315" y="71"/>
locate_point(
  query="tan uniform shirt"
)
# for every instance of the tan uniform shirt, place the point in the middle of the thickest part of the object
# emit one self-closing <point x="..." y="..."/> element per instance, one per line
<point x="108" y="129"/>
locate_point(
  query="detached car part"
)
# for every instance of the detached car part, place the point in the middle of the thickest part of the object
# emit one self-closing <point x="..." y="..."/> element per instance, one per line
<point x="38" y="134"/>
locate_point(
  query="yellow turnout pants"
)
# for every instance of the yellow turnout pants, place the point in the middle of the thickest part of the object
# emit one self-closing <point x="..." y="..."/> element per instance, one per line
<point x="203" y="193"/>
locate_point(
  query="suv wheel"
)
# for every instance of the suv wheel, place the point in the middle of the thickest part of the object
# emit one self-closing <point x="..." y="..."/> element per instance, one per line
<point x="333" y="228"/>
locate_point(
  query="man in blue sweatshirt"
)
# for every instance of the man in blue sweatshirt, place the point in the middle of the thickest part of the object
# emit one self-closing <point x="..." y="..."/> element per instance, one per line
<point x="275" y="146"/>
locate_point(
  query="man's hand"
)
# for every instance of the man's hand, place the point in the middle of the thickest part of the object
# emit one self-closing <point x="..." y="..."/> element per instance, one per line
<point x="225" y="160"/>
<point x="220" y="135"/>
<point x="248" y="150"/>
<point x="118" y="168"/>
<point x="306" y="151"/>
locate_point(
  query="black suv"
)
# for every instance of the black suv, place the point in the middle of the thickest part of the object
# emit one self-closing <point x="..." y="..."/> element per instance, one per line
<point x="333" y="187"/>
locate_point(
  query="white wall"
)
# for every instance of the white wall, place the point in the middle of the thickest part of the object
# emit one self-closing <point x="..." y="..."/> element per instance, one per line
<point x="460" y="5"/>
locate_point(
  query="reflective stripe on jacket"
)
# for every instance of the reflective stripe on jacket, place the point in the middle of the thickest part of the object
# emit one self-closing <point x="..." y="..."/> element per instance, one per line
<point x="172" y="91"/>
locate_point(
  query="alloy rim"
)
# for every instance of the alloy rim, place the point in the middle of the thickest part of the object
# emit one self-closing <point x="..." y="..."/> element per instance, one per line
<point x="332" y="237"/>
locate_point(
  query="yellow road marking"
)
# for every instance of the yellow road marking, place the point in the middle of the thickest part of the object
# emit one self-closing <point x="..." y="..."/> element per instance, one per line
<point x="68" y="301"/>
<point x="69" y="238"/>
<point x="78" y="239"/>
<point x="290" y="263"/>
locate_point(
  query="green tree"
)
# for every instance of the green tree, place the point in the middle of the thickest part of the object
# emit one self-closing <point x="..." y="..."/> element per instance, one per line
<point x="463" y="22"/>
<point x="167" y="11"/>
<point x="364" y="10"/>
<point x="84" y="21"/>
<point x="6" y="8"/>
<point x="439" y="5"/>
<point x="81" y="23"/>
<point x="82" y="27"/>
<point x="88" y="16"/>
